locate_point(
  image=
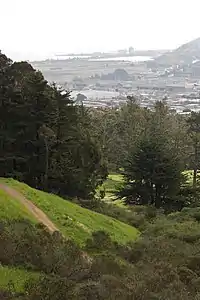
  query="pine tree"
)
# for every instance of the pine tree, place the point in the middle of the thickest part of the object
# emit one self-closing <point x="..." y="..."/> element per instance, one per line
<point x="6" y="88"/>
<point x="153" y="174"/>
<point x="194" y="132"/>
<point x="45" y="139"/>
<point x="76" y="163"/>
<point x="23" y="111"/>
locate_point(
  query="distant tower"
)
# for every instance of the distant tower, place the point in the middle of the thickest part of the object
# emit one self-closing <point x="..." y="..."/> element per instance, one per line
<point x="131" y="50"/>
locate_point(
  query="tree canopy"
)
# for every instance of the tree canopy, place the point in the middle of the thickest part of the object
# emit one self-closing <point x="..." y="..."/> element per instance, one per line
<point x="43" y="139"/>
<point x="153" y="174"/>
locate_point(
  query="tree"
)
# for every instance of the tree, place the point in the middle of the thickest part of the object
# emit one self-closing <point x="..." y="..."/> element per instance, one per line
<point x="47" y="135"/>
<point x="80" y="98"/>
<point x="153" y="174"/>
<point x="194" y="132"/>
<point x="76" y="165"/>
<point x="44" y="136"/>
<point x="24" y="109"/>
<point x="118" y="130"/>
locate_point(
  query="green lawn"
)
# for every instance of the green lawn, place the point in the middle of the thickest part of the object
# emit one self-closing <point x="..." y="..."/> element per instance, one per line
<point x="189" y="175"/>
<point x="74" y="221"/>
<point x="15" y="278"/>
<point x="10" y="209"/>
<point x="113" y="182"/>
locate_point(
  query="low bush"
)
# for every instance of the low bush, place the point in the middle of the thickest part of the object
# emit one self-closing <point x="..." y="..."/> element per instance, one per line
<point x="137" y="216"/>
<point x="4" y="295"/>
<point x="100" y="241"/>
<point x="34" y="248"/>
<point x="164" y="263"/>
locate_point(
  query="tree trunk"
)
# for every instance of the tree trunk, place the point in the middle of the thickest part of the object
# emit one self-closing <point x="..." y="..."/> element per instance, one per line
<point x="195" y="169"/>
<point x="157" y="198"/>
<point x="152" y="196"/>
<point x="195" y="178"/>
<point x="46" y="165"/>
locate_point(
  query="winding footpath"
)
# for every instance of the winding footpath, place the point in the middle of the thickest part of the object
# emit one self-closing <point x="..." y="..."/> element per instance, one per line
<point x="40" y="216"/>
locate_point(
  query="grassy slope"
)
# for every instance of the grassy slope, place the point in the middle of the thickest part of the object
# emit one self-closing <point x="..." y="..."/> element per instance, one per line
<point x="113" y="183"/>
<point x="74" y="221"/>
<point x="15" y="278"/>
<point x="10" y="209"/>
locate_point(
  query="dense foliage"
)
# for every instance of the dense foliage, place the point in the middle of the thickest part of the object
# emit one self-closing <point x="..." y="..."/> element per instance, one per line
<point x="152" y="148"/>
<point x="44" y="136"/>
<point x="153" y="175"/>
<point x="163" y="264"/>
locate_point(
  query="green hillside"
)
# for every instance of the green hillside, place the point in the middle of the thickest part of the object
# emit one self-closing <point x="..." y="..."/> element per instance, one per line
<point x="10" y="209"/>
<point x="15" y="278"/>
<point x="74" y="222"/>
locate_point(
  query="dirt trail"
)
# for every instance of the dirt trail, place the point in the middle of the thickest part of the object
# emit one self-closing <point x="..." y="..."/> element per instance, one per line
<point x="40" y="216"/>
<point x="36" y="212"/>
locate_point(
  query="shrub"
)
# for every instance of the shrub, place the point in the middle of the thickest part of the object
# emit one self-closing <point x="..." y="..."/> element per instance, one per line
<point x="100" y="241"/>
<point x="110" y="210"/>
<point x="33" y="247"/>
<point x="188" y="231"/>
<point x="4" y="295"/>
<point x="194" y="263"/>
<point x="53" y="288"/>
<point x="186" y="275"/>
<point x="196" y="216"/>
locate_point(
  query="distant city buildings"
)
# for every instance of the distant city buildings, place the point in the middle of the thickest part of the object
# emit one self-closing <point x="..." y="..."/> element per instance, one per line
<point x="106" y="82"/>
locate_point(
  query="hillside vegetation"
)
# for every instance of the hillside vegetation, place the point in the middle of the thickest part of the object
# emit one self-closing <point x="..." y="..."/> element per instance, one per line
<point x="12" y="209"/>
<point x="15" y="278"/>
<point x="73" y="221"/>
<point x="110" y="185"/>
<point x="55" y="157"/>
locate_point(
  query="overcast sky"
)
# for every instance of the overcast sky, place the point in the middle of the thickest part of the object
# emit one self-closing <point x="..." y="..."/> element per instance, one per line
<point x="40" y="28"/>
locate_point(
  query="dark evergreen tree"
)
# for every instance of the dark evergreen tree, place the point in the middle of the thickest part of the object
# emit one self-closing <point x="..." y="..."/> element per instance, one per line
<point x="45" y="139"/>
<point x="76" y="163"/>
<point x="6" y="89"/>
<point x="194" y="133"/>
<point x="153" y="174"/>
<point x="25" y="112"/>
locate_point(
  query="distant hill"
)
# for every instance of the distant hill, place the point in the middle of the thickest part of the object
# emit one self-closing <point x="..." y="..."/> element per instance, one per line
<point x="185" y="54"/>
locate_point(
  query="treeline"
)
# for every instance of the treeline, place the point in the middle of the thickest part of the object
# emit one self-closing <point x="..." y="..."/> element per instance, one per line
<point x="152" y="148"/>
<point x="45" y="138"/>
<point x="120" y="130"/>
<point x="51" y="143"/>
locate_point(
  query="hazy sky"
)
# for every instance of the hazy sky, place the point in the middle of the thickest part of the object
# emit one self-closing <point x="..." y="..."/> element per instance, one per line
<point x="40" y="28"/>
